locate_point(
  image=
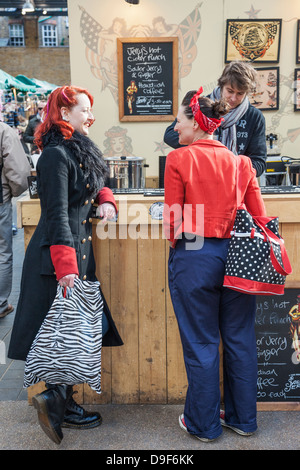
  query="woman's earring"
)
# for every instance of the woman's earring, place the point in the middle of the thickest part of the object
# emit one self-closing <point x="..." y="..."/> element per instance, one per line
<point x="65" y="119"/>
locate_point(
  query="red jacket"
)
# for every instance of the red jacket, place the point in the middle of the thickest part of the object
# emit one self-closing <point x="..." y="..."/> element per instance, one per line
<point x="200" y="190"/>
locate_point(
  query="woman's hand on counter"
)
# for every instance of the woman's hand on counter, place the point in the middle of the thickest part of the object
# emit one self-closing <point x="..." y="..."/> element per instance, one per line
<point x="106" y="211"/>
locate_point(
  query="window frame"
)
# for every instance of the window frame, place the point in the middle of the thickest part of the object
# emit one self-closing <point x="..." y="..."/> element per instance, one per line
<point x="52" y="29"/>
<point x="16" y="35"/>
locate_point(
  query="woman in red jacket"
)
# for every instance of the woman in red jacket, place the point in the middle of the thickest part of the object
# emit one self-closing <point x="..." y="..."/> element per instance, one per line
<point x="199" y="212"/>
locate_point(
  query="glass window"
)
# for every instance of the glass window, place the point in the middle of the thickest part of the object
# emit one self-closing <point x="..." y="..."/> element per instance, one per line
<point x="16" y="35"/>
<point x="49" y="35"/>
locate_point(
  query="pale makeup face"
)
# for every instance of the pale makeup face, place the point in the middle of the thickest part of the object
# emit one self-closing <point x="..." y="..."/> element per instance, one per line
<point x="80" y="116"/>
<point x="184" y="127"/>
<point x="117" y="144"/>
<point x="233" y="95"/>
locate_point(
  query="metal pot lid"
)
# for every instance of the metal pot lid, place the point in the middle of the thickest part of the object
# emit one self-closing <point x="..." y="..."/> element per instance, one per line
<point x="124" y="159"/>
<point x="290" y="161"/>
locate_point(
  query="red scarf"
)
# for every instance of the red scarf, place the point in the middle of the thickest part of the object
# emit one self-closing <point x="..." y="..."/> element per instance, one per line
<point x="207" y="124"/>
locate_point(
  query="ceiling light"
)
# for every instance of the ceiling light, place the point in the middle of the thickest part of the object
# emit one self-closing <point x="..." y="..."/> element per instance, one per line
<point x="134" y="2"/>
<point x="28" y="7"/>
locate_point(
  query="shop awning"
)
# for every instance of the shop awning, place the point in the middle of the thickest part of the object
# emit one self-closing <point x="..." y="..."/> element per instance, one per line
<point x="41" y="86"/>
<point x="25" y="84"/>
<point x="45" y="86"/>
<point x="8" y="81"/>
<point x="25" y="80"/>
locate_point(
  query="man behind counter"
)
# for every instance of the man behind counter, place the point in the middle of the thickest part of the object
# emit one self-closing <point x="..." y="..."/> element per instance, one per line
<point x="243" y="128"/>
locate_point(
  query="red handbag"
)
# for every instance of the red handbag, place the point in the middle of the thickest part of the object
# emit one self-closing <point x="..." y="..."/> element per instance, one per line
<point x="257" y="262"/>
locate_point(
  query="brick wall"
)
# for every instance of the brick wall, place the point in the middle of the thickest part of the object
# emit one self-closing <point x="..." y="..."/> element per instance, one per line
<point x="44" y="63"/>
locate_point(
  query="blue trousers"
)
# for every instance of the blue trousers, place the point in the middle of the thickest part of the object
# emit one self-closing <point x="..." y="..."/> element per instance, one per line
<point x="205" y="310"/>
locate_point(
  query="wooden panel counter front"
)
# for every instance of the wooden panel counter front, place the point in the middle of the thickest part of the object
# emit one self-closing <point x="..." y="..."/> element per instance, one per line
<point x="131" y="257"/>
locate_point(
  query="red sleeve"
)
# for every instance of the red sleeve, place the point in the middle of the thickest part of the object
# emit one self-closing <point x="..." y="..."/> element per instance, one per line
<point x="253" y="198"/>
<point x="106" y="195"/>
<point x="64" y="260"/>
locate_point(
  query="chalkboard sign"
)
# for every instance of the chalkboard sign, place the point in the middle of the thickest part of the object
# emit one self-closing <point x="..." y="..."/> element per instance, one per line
<point x="148" y="78"/>
<point x="277" y="327"/>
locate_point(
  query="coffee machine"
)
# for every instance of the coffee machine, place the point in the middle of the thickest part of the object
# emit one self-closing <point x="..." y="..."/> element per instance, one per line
<point x="275" y="174"/>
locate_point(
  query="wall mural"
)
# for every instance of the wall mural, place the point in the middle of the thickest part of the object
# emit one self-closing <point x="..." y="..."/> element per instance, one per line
<point x="285" y="109"/>
<point x="101" y="54"/>
<point x="101" y="48"/>
<point x="286" y="86"/>
<point x="117" y="143"/>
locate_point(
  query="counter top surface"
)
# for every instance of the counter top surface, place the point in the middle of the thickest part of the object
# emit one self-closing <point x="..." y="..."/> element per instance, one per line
<point x="136" y="207"/>
<point x="141" y="198"/>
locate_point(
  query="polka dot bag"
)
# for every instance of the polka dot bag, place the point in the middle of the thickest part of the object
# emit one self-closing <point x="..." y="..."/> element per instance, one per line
<point x="257" y="261"/>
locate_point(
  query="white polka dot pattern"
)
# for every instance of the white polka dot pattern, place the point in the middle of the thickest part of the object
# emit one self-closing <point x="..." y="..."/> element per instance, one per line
<point x="249" y="257"/>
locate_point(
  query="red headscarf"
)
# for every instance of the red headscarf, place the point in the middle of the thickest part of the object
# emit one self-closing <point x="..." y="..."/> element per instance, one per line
<point x="207" y="124"/>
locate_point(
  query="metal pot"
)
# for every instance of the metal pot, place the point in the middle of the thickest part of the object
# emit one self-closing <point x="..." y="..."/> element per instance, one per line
<point x="126" y="172"/>
<point x="293" y="169"/>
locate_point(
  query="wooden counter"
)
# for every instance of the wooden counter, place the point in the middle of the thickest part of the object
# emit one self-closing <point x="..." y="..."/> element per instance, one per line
<point x="132" y="269"/>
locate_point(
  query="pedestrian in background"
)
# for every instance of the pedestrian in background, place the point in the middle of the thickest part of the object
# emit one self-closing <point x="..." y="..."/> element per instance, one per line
<point x="28" y="136"/>
<point x="14" y="169"/>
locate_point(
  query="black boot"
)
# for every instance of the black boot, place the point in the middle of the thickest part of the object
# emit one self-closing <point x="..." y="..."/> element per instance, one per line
<point x="50" y="406"/>
<point x="78" y="418"/>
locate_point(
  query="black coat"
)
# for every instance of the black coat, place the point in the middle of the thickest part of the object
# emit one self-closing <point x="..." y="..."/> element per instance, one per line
<point x="66" y="211"/>
<point x="28" y="135"/>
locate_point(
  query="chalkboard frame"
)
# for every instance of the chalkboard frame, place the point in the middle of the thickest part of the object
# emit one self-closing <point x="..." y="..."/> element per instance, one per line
<point x="264" y="310"/>
<point x="151" y="117"/>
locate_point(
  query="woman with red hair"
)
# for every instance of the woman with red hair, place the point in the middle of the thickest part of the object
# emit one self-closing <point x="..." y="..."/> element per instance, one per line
<point x="71" y="174"/>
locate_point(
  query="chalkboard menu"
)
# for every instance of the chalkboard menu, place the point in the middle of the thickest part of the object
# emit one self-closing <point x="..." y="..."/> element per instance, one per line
<point x="278" y="347"/>
<point x="148" y="78"/>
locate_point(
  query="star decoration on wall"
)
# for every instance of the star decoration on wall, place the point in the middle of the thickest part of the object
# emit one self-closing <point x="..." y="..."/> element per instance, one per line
<point x="252" y="13"/>
<point x="161" y="147"/>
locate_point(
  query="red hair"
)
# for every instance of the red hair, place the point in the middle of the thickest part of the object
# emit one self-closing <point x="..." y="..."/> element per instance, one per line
<point x="60" y="97"/>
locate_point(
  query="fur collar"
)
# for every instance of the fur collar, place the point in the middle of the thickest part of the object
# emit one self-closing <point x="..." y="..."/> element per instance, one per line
<point x="87" y="153"/>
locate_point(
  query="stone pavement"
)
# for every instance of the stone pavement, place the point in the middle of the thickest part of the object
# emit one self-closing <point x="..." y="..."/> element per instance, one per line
<point x="11" y="372"/>
<point x="130" y="428"/>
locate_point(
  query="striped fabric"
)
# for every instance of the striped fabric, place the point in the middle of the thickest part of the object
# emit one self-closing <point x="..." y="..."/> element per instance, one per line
<point x="67" y="348"/>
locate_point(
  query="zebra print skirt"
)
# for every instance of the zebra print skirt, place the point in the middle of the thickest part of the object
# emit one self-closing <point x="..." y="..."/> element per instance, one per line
<point x="67" y="347"/>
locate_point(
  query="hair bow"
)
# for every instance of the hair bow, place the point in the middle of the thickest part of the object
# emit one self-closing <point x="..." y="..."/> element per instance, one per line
<point x="208" y="125"/>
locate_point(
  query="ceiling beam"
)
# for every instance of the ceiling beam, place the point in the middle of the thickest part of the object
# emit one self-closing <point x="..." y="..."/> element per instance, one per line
<point x="39" y="12"/>
<point x="38" y="4"/>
